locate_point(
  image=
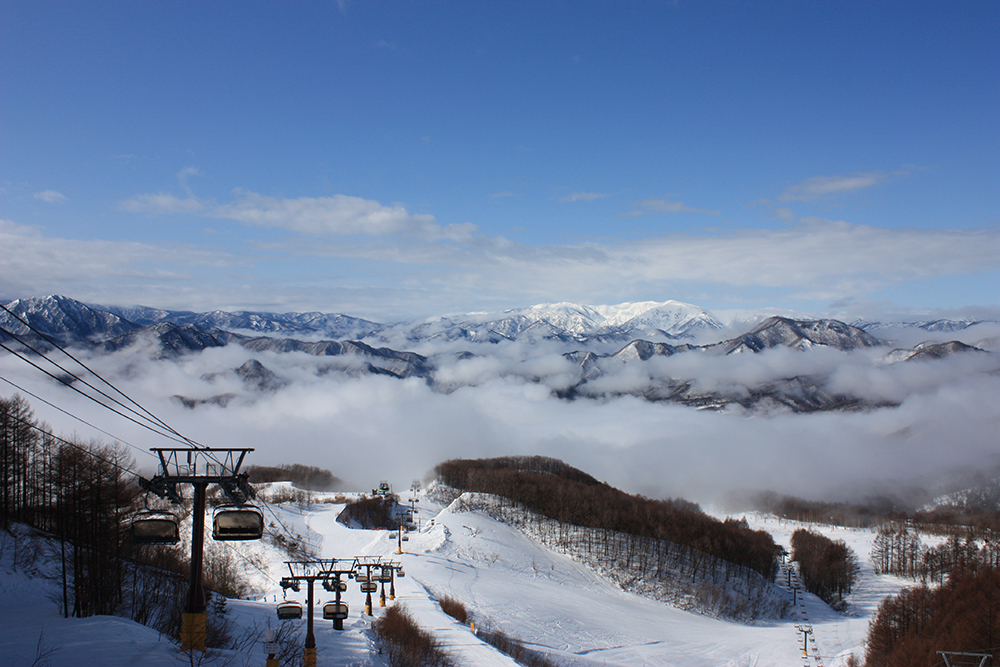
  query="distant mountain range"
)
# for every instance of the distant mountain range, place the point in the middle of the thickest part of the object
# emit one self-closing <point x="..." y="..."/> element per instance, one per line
<point x="636" y="332"/>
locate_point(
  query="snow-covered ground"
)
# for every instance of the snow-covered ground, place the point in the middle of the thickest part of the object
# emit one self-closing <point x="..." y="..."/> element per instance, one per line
<point x="551" y="603"/>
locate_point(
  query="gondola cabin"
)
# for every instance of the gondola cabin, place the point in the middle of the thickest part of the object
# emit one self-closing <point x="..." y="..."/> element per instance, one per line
<point x="151" y="527"/>
<point x="290" y="609"/>
<point x="238" y="522"/>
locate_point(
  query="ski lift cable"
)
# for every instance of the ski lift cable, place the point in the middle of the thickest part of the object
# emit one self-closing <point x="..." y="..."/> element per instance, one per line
<point x="85" y="395"/>
<point x="288" y="533"/>
<point x="110" y="463"/>
<point x="151" y="418"/>
<point x="76" y="446"/>
<point x="255" y="566"/>
<point x="96" y="374"/>
<point x="79" y="419"/>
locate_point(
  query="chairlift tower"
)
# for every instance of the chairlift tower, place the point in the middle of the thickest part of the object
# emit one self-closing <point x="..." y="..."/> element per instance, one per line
<point x="309" y="572"/>
<point x="369" y="584"/>
<point x="971" y="659"/>
<point x="200" y="468"/>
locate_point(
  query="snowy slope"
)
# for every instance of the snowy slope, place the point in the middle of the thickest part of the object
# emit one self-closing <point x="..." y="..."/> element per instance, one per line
<point x="551" y="603"/>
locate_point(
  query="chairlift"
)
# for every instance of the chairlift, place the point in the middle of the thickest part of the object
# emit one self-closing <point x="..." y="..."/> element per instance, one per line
<point x="400" y="574"/>
<point x="289" y="609"/>
<point x="335" y="611"/>
<point x="332" y="586"/>
<point x="155" y="527"/>
<point x="238" y="522"/>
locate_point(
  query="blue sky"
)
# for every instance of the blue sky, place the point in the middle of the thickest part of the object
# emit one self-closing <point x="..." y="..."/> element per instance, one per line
<point x="393" y="160"/>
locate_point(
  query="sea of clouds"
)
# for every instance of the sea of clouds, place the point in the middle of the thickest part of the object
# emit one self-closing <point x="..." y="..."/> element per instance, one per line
<point x="502" y="400"/>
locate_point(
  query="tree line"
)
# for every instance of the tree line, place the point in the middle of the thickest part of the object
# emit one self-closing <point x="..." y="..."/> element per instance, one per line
<point x="553" y="489"/>
<point x="829" y="568"/>
<point x="311" y="478"/>
<point x="655" y="568"/>
<point x="962" y="615"/>
<point x="81" y="495"/>
<point x="877" y="511"/>
<point x="897" y="549"/>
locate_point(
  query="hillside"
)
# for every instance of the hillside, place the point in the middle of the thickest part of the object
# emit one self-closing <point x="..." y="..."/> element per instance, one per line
<point x="552" y="603"/>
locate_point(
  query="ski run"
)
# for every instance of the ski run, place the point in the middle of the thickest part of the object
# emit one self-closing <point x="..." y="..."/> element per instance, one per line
<point x="550" y="603"/>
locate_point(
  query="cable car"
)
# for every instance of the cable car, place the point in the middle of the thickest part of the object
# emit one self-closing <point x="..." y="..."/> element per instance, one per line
<point x="238" y="522"/>
<point x="155" y="527"/>
<point x="335" y="610"/>
<point x="289" y="609"/>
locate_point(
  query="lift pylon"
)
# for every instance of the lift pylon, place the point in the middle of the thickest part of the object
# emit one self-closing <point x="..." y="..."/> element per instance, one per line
<point x="198" y="467"/>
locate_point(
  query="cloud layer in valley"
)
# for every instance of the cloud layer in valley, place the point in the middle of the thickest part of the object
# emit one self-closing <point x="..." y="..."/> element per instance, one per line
<point x="502" y="402"/>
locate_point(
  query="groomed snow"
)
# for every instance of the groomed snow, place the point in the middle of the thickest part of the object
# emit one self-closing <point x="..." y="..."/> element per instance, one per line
<point x="549" y="602"/>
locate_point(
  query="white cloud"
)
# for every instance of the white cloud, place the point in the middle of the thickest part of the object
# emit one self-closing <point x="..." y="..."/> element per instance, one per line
<point x="652" y="448"/>
<point x="660" y="205"/>
<point x="102" y="271"/>
<point x="50" y="196"/>
<point x="827" y="187"/>
<point x="160" y="203"/>
<point x="382" y="262"/>
<point x="585" y="196"/>
<point x="339" y="215"/>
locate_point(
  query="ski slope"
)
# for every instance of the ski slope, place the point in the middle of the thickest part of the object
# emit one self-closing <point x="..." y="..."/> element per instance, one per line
<point x="546" y="600"/>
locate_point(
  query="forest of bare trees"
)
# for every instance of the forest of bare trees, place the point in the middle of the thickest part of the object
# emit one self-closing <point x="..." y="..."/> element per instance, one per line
<point x="311" y="478"/>
<point x="666" y="549"/>
<point x="79" y="496"/>
<point x="962" y="615"/>
<point x="898" y="550"/>
<point x="829" y="568"/>
<point x="553" y="489"/>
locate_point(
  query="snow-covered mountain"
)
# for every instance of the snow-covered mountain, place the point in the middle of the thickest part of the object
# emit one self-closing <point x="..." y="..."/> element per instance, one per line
<point x="62" y="319"/>
<point x="801" y="335"/>
<point x="600" y="342"/>
<point x="568" y="322"/>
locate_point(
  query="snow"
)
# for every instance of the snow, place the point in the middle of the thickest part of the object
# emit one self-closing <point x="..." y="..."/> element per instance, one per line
<point x="546" y="600"/>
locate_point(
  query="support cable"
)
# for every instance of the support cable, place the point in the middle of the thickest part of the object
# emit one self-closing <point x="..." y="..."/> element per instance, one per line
<point x="88" y="369"/>
<point x="86" y="395"/>
<point x="148" y="415"/>
<point x="79" y="419"/>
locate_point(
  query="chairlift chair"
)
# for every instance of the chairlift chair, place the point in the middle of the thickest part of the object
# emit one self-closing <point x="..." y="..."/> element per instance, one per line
<point x="155" y="527"/>
<point x="238" y="522"/>
<point x="289" y="609"/>
<point x="335" y="611"/>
